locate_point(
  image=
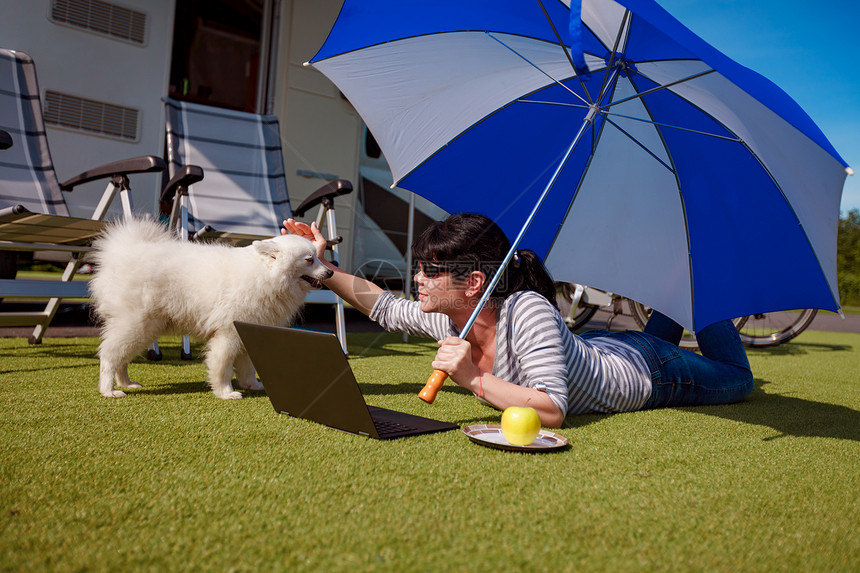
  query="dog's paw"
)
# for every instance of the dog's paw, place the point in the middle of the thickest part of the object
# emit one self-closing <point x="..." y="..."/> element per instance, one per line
<point x="254" y="384"/>
<point x="114" y="394"/>
<point x="230" y="396"/>
<point x="129" y="384"/>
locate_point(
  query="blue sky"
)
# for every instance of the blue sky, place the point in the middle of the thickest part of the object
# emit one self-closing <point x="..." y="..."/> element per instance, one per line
<point x="809" y="49"/>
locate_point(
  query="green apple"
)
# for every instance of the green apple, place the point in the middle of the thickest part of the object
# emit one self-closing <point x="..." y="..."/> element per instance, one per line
<point x="520" y="425"/>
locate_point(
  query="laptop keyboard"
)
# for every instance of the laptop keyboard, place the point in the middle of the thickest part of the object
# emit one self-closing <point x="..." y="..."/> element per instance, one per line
<point x="385" y="428"/>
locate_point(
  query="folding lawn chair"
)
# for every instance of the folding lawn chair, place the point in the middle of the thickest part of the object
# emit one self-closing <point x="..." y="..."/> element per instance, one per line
<point x="33" y="213"/>
<point x="244" y="197"/>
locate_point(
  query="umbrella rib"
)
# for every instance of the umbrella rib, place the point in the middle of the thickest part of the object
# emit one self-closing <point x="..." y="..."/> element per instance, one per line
<point x="614" y="52"/>
<point x="640" y="144"/>
<point x="596" y="135"/>
<point x="589" y="119"/>
<point x="681" y="199"/>
<point x="776" y="184"/>
<point x="559" y="103"/>
<point x="538" y="68"/>
<point x="652" y="122"/>
<point x="639" y="95"/>
<point x="563" y="49"/>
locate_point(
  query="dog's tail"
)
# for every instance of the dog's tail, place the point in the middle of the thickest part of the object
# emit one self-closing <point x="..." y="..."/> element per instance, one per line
<point x="124" y="232"/>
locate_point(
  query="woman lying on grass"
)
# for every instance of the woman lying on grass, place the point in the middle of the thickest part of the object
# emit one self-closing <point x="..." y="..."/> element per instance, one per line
<point x="519" y="352"/>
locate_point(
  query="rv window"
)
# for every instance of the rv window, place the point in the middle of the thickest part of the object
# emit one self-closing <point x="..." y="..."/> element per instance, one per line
<point x="216" y="52"/>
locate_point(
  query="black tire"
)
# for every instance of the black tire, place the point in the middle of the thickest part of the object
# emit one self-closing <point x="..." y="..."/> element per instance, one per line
<point x="383" y="273"/>
<point x="774" y="328"/>
<point x="580" y="318"/>
<point x="574" y="319"/>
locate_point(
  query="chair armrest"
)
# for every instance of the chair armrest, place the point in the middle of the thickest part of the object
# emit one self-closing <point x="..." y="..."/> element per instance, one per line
<point x="143" y="164"/>
<point x="188" y="175"/>
<point x="14" y="210"/>
<point x="5" y="139"/>
<point x="326" y="193"/>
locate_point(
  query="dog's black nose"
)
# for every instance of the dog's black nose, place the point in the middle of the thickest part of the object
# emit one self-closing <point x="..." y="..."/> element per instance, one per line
<point x="328" y="274"/>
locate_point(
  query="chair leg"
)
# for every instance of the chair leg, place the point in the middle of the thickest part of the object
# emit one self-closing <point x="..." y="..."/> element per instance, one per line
<point x="53" y="304"/>
<point x="186" y="348"/>
<point x="183" y="235"/>
<point x="154" y="353"/>
<point x="47" y="315"/>
<point x="327" y="211"/>
<point x="340" y="325"/>
<point x="116" y="184"/>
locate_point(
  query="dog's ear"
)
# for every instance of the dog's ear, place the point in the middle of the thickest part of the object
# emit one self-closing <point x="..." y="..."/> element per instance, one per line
<point x="266" y="248"/>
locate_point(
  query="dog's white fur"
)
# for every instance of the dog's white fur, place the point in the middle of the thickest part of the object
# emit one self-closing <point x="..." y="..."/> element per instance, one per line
<point x="149" y="283"/>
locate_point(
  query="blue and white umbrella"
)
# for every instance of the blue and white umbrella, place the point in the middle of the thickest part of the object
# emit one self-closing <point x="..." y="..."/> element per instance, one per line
<point x="622" y="148"/>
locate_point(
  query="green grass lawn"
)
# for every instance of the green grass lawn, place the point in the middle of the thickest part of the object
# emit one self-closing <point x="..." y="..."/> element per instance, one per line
<point x="172" y="479"/>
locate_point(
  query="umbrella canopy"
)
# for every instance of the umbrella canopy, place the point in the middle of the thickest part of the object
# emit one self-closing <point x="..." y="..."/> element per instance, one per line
<point x="667" y="172"/>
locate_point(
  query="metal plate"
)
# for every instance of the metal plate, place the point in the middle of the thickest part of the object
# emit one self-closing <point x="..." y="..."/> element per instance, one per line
<point x="491" y="435"/>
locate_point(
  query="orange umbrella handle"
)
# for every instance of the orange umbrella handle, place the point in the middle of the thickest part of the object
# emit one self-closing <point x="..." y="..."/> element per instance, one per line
<point x="428" y="394"/>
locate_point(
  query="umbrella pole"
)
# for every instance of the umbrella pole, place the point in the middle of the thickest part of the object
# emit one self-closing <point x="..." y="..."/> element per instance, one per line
<point x="437" y="378"/>
<point x="593" y="109"/>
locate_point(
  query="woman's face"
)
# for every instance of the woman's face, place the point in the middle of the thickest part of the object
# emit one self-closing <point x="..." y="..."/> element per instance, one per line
<point x="442" y="291"/>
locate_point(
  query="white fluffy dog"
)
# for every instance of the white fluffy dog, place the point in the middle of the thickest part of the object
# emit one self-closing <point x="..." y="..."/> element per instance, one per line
<point x="150" y="283"/>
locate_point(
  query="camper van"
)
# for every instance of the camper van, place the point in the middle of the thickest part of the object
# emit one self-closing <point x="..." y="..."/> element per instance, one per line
<point x="105" y="67"/>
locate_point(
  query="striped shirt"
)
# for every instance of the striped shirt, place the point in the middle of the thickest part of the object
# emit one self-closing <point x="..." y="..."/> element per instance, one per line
<point x="534" y="348"/>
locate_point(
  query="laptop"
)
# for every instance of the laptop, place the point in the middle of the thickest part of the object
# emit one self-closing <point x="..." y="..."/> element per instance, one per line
<point x="306" y="375"/>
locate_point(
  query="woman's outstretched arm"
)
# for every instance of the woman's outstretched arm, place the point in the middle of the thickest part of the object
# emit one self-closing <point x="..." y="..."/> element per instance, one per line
<point x="358" y="292"/>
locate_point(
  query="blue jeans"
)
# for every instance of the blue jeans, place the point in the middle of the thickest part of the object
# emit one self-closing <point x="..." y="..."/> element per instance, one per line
<point x="720" y="375"/>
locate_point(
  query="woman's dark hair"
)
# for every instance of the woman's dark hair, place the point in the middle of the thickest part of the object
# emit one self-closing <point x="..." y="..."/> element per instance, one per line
<point x="469" y="242"/>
